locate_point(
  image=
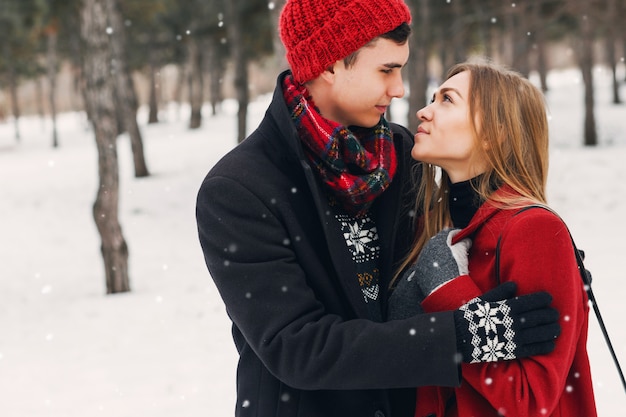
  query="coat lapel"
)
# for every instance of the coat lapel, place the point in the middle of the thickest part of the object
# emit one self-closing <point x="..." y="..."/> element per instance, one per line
<point x="387" y="213"/>
<point x="342" y="262"/>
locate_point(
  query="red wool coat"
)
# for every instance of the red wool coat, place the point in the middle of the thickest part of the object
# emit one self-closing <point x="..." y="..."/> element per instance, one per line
<point x="536" y="252"/>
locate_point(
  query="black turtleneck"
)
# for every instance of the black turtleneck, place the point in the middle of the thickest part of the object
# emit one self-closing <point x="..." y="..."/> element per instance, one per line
<point x="463" y="202"/>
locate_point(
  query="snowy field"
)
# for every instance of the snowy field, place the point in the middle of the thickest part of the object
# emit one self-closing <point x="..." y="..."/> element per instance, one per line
<point x="164" y="350"/>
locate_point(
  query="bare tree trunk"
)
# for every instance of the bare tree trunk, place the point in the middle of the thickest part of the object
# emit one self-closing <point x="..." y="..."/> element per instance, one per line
<point x="196" y="84"/>
<point x="620" y="36"/>
<point x="153" y="101"/>
<point x="418" y="61"/>
<point x="610" y="37"/>
<point x="51" y="70"/>
<point x="241" y="66"/>
<point x="540" y="44"/>
<point x="520" y="41"/>
<point x="215" y="67"/>
<point x="15" y="108"/>
<point x="279" y="49"/>
<point x="460" y="44"/>
<point x="178" y="88"/>
<point x="39" y="102"/>
<point x="125" y="87"/>
<point x="156" y="87"/>
<point x="77" y="76"/>
<point x="445" y="57"/>
<point x="624" y="46"/>
<point x="99" y="94"/>
<point x="586" y="67"/>
<point x="243" y="97"/>
<point x="12" y="79"/>
<point x="491" y="49"/>
<point x="509" y="38"/>
<point x="482" y="30"/>
<point x="612" y="59"/>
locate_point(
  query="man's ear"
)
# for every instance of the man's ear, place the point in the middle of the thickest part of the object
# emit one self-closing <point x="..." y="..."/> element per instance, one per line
<point x="329" y="74"/>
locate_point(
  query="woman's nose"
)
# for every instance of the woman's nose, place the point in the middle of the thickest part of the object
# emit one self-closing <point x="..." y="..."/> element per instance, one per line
<point x="423" y="113"/>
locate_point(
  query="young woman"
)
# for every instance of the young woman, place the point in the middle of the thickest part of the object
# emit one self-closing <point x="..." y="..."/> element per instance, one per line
<point x="483" y="141"/>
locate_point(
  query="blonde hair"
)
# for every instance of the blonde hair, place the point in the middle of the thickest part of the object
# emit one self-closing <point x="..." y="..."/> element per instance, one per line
<point x="508" y="116"/>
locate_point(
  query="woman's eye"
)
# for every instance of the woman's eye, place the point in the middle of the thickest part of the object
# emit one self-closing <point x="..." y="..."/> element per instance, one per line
<point x="444" y="97"/>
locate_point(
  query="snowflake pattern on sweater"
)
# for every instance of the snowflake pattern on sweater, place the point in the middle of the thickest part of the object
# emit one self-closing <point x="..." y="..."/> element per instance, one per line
<point x="361" y="238"/>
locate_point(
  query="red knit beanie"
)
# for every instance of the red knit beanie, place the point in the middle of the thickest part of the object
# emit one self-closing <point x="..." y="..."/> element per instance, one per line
<point x="317" y="33"/>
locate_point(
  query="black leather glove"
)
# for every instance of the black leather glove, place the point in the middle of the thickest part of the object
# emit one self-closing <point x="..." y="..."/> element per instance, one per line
<point x="498" y="326"/>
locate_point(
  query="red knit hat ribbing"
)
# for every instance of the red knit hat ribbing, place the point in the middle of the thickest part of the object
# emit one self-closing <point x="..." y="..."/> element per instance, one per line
<point x="317" y="33"/>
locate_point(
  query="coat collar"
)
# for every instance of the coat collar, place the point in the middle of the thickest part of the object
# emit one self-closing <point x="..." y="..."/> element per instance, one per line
<point x="280" y="115"/>
<point x="485" y="212"/>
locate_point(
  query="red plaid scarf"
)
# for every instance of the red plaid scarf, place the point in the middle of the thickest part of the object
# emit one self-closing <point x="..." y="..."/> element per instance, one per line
<point x="355" y="164"/>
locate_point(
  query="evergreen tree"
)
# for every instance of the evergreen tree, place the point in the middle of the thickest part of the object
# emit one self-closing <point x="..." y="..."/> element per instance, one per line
<point x="21" y="21"/>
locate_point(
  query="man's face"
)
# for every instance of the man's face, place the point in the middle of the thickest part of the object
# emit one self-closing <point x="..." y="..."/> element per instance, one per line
<point x="360" y="95"/>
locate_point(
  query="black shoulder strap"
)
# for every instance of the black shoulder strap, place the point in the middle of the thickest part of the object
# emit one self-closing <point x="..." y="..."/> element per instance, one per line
<point x="523" y="209"/>
<point x="586" y="277"/>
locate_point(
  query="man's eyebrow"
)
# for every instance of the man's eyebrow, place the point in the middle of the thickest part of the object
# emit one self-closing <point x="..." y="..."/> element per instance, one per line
<point x="392" y="65"/>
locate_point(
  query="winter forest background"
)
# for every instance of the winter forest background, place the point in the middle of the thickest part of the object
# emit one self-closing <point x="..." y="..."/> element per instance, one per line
<point x="112" y="112"/>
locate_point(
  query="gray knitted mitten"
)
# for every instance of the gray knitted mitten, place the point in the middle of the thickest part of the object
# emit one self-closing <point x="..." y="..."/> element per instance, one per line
<point x="440" y="262"/>
<point x="405" y="299"/>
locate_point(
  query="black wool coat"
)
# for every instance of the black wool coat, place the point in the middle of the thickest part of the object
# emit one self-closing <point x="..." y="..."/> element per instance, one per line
<point x="306" y="346"/>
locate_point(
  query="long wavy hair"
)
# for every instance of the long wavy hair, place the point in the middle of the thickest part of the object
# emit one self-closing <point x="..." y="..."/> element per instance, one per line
<point x="508" y="117"/>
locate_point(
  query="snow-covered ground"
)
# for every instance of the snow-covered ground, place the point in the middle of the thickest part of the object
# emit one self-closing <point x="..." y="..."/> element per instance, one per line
<point x="164" y="349"/>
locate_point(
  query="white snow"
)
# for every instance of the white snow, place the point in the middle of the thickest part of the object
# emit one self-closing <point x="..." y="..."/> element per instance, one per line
<point x="164" y="349"/>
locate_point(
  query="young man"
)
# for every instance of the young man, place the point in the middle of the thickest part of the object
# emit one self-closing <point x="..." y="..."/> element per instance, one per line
<point x="303" y="223"/>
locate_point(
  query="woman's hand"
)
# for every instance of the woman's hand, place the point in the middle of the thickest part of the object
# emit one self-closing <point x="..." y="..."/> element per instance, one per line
<point x="439" y="262"/>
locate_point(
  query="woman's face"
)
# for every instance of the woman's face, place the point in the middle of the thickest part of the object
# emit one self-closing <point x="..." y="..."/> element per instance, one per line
<point x="445" y="136"/>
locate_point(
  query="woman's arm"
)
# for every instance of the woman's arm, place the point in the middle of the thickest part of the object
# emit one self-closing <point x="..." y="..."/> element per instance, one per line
<point x="537" y="254"/>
